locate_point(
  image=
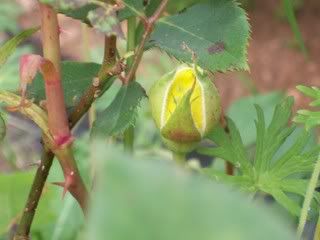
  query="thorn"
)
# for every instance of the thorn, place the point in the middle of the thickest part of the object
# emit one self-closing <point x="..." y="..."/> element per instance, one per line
<point x="37" y="164"/>
<point x="95" y="82"/>
<point x="62" y="31"/>
<point x="43" y="104"/>
<point x="66" y="184"/>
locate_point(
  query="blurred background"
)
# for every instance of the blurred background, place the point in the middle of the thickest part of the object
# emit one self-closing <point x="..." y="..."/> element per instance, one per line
<point x="278" y="60"/>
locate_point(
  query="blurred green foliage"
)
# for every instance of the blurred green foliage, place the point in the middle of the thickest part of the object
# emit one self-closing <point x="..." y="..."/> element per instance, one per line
<point x="9" y="13"/>
<point x="136" y="198"/>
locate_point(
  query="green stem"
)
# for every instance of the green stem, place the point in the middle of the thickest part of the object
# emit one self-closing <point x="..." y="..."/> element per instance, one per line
<point x="35" y="193"/>
<point x="179" y="158"/>
<point x="317" y="231"/>
<point x="86" y="57"/>
<point x="138" y="53"/>
<point x="308" y="198"/>
<point x="128" y="137"/>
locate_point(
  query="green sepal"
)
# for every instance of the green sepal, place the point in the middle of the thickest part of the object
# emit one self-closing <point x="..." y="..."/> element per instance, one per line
<point x="157" y="94"/>
<point x="180" y="126"/>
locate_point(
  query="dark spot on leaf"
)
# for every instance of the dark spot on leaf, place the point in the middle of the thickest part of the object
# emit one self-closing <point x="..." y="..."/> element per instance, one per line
<point x="182" y="10"/>
<point x="145" y="2"/>
<point x="217" y="47"/>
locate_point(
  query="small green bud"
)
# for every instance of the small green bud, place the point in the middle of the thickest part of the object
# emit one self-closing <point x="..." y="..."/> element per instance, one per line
<point x="185" y="105"/>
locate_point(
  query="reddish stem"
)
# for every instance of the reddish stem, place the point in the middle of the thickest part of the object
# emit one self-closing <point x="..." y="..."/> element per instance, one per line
<point x="57" y="115"/>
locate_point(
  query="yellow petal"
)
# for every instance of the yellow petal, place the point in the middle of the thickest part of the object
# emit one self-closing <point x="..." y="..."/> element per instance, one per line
<point x="183" y="81"/>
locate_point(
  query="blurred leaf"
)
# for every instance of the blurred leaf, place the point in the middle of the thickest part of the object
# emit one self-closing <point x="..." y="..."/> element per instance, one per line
<point x="309" y="118"/>
<point x="217" y="32"/>
<point x="270" y="172"/>
<point x="106" y="21"/>
<point x="76" y="78"/>
<point x="66" y="4"/>
<point x="121" y="113"/>
<point x="9" y="13"/>
<point x="145" y="200"/>
<point x="9" y="75"/>
<point x="7" y="49"/>
<point x="289" y="10"/>
<point x="13" y="195"/>
<point x="243" y="113"/>
<point x="79" y="13"/>
<point x="80" y="10"/>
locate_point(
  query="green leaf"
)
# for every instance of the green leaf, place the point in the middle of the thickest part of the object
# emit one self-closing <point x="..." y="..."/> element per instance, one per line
<point x="121" y="113"/>
<point x="9" y="75"/>
<point x="173" y="7"/>
<point x="277" y="167"/>
<point x="142" y="199"/>
<point x="76" y="78"/>
<point x="245" y="122"/>
<point x="217" y="32"/>
<point x="79" y="13"/>
<point x="309" y="118"/>
<point x="289" y="10"/>
<point x="7" y="49"/>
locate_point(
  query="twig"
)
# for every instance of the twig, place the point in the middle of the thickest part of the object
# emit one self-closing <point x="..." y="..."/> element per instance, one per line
<point x="34" y="196"/>
<point x="108" y="70"/>
<point x="128" y="135"/>
<point x="149" y="25"/>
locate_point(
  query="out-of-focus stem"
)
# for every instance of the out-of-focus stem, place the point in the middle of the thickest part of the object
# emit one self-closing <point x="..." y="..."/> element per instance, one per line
<point x="308" y="198"/>
<point x="104" y="78"/>
<point x="179" y="158"/>
<point x="86" y="57"/>
<point x="128" y="136"/>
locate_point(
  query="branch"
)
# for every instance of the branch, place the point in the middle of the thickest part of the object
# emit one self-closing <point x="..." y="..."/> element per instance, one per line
<point x="149" y="25"/>
<point x="108" y="69"/>
<point x="34" y="196"/>
<point x="47" y="156"/>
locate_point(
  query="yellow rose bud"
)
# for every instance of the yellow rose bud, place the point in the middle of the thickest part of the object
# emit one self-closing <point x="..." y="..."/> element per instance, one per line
<point x="185" y="105"/>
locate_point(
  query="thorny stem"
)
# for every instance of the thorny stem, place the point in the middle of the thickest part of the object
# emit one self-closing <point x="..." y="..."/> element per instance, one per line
<point x="308" y="198"/>
<point x="34" y="194"/>
<point x="128" y="136"/>
<point x="47" y="156"/>
<point x="57" y="114"/>
<point x="149" y="24"/>
<point x="51" y="51"/>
